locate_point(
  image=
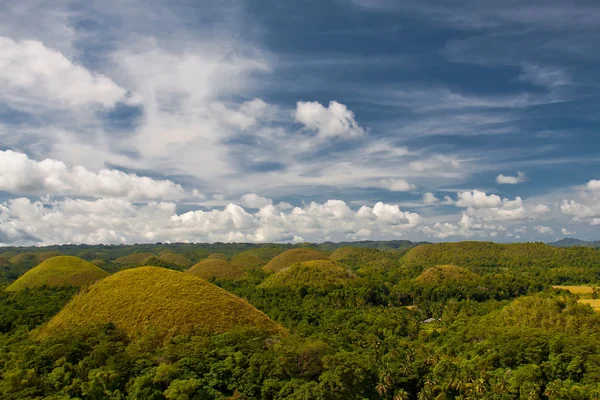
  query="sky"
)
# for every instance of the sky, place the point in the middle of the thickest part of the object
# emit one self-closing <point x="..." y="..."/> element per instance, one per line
<point x="137" y="121"/>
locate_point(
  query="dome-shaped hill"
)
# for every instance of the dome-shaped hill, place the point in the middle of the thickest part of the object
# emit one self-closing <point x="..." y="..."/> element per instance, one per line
<point x="98" y="263"/>
<point x="447" y="275"/>
<point x="481" y="256"/>
<point x="341" y="253"/>
<point x="316" y="273"/>
<point x="134" y="258"/>
<point x="174" y="258"/>
<point x="365" y="260"/>
<point x="216" y="268"/>
<point x="293" y="256"/>
<point x="218" y="256"/>
<point x="247" y="260"/>
<point x="59" y="271"/>
<point x="161" y="301"/>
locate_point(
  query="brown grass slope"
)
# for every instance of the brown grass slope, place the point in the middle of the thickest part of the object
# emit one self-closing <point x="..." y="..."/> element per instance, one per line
<point x="293" y="256"/>
<point x="317" y="273"/>
<point x="446" y="275"/>
<point x="247" y="260"/>
<point x="59" y="271"/>
<point x="161" y="302"/>
<point x="219" y="269"/>
<point x="134" y="258"/>
<point x="218" y="256"/>
<point x="174" y="258"/>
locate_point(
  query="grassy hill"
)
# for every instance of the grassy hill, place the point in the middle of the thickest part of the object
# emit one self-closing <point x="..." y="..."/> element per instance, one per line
<point x="365" y="260"/>
<point x="134" y="258"/>
<point x="293" y="256"/>
<point x="488" y="256"/>
<point x="247" y="260"/>
<point x="219" y="269"/>
<point x="174" y="258"/>
<point x="316" y="273"/>
<point x="59" y="271"/>
<point x="218" y="256"/>
<point x="158" y="301"/>
<point x="446" y="275"/>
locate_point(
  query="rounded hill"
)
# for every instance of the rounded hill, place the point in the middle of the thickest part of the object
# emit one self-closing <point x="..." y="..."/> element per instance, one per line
<point x="174" y="258"/>
<point x="365" y="260"/>
<point x="484" y="256"/>
<point x="446" y="275"/>
<point x="216" y="268"/>
<point x="161" y="302"/>
<point x="134" y="258"/>
<point x="293" y="256"/>
<point x="218" y="256"/>
<point x="316" y="273"/>
<point x="247" y="260"/>
<point x="59" y="271"/>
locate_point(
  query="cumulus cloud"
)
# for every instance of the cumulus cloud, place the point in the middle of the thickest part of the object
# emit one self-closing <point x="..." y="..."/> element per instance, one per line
<point x="113" y="220"/>
<point x="478" y="199"/>
<point x="565" y="232"/>
<point x="397" y="185"/>
<point x="334" y="121"/>
<point x="543" y="230"/>
<point x="21" y="175"/>
<point x="28" y="70"/>
<point x="511" y="180"/>
<point x="252" y="200"/>
<point x="586" y="206"/>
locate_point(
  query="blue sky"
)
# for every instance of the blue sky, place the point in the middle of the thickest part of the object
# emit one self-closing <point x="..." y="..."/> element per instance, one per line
<point x="133" y="121"/>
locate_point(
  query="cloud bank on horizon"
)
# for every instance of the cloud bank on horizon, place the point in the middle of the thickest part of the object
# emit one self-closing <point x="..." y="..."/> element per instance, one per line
<point x="125" y="122"/>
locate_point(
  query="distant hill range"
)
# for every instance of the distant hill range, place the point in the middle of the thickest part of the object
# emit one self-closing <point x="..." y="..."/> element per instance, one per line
<point x="570" y="242"/>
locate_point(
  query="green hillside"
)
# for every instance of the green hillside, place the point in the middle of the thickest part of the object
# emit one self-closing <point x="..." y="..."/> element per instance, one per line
<point x="218" y="256"/>
<point x="317" y="273"/>
<point x="158" y="301"/>
<point x="446" y="275"/>
<point x="218" y="269"/>
<point x="134" y="258"/>
<point x="488" y="256"/>
<point x="293" y="256"/>
<point x="174" y="258"/>
<point x="59" y="271"/>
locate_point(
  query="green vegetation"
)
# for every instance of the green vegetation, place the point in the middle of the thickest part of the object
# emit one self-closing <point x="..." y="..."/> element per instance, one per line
<point x="59" y="271"/>
<point x="214" y="268"/>
<point x="447" y="275"/>
<point x="293" y="256"/>
<point x="176" y="259"/>
<point x="218" y="256"/>
<point x="160" y="302"/>
<point x="452" y="322"/>
<point x="134" y="258"/>
<point x="318" y="273"/>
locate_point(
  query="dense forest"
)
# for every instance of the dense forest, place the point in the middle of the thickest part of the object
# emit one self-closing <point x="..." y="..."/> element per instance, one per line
<point x="367" y="320"/>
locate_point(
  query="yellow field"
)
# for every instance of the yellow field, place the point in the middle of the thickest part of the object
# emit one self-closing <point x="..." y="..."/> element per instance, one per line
<point x="576" y="289"/>
<point x="595" y="303"/>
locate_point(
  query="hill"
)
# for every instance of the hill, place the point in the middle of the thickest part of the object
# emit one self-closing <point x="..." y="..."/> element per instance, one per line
<point x="216" y="268"/>
<point x="487" y="256"/>
<point x="569" y="242"/>
<point x="174" y="258"/>
<point x="365" y="260"/>
<point x="446" y="275"/>
<point x="293" y="256"/>
<point x="218" y="256"/>
<point x="247" y="260"/>
<point x="316" y="273"/>
<point x="159" y="301"/>
<point x="134" y="258"/>
<point x="59" y="271"/>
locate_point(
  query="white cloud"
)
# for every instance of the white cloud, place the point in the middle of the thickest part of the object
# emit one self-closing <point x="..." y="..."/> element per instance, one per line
<point x="21" y="175"/>
<point x="547" y="76"/>
<point x="565" y="232"/>
<point x="252" y="200"/>
<point x="511" y="180"/>
<point x="586" y="206"/>
<point x="397" y="185"/>
<point x="478" y="199"/>
<point x="29" y="70"/>
<point x="429" y="199"/>
<point x="112" y="220"/>
<point x="334" y="121"/>
<point x="543" y="230"/>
